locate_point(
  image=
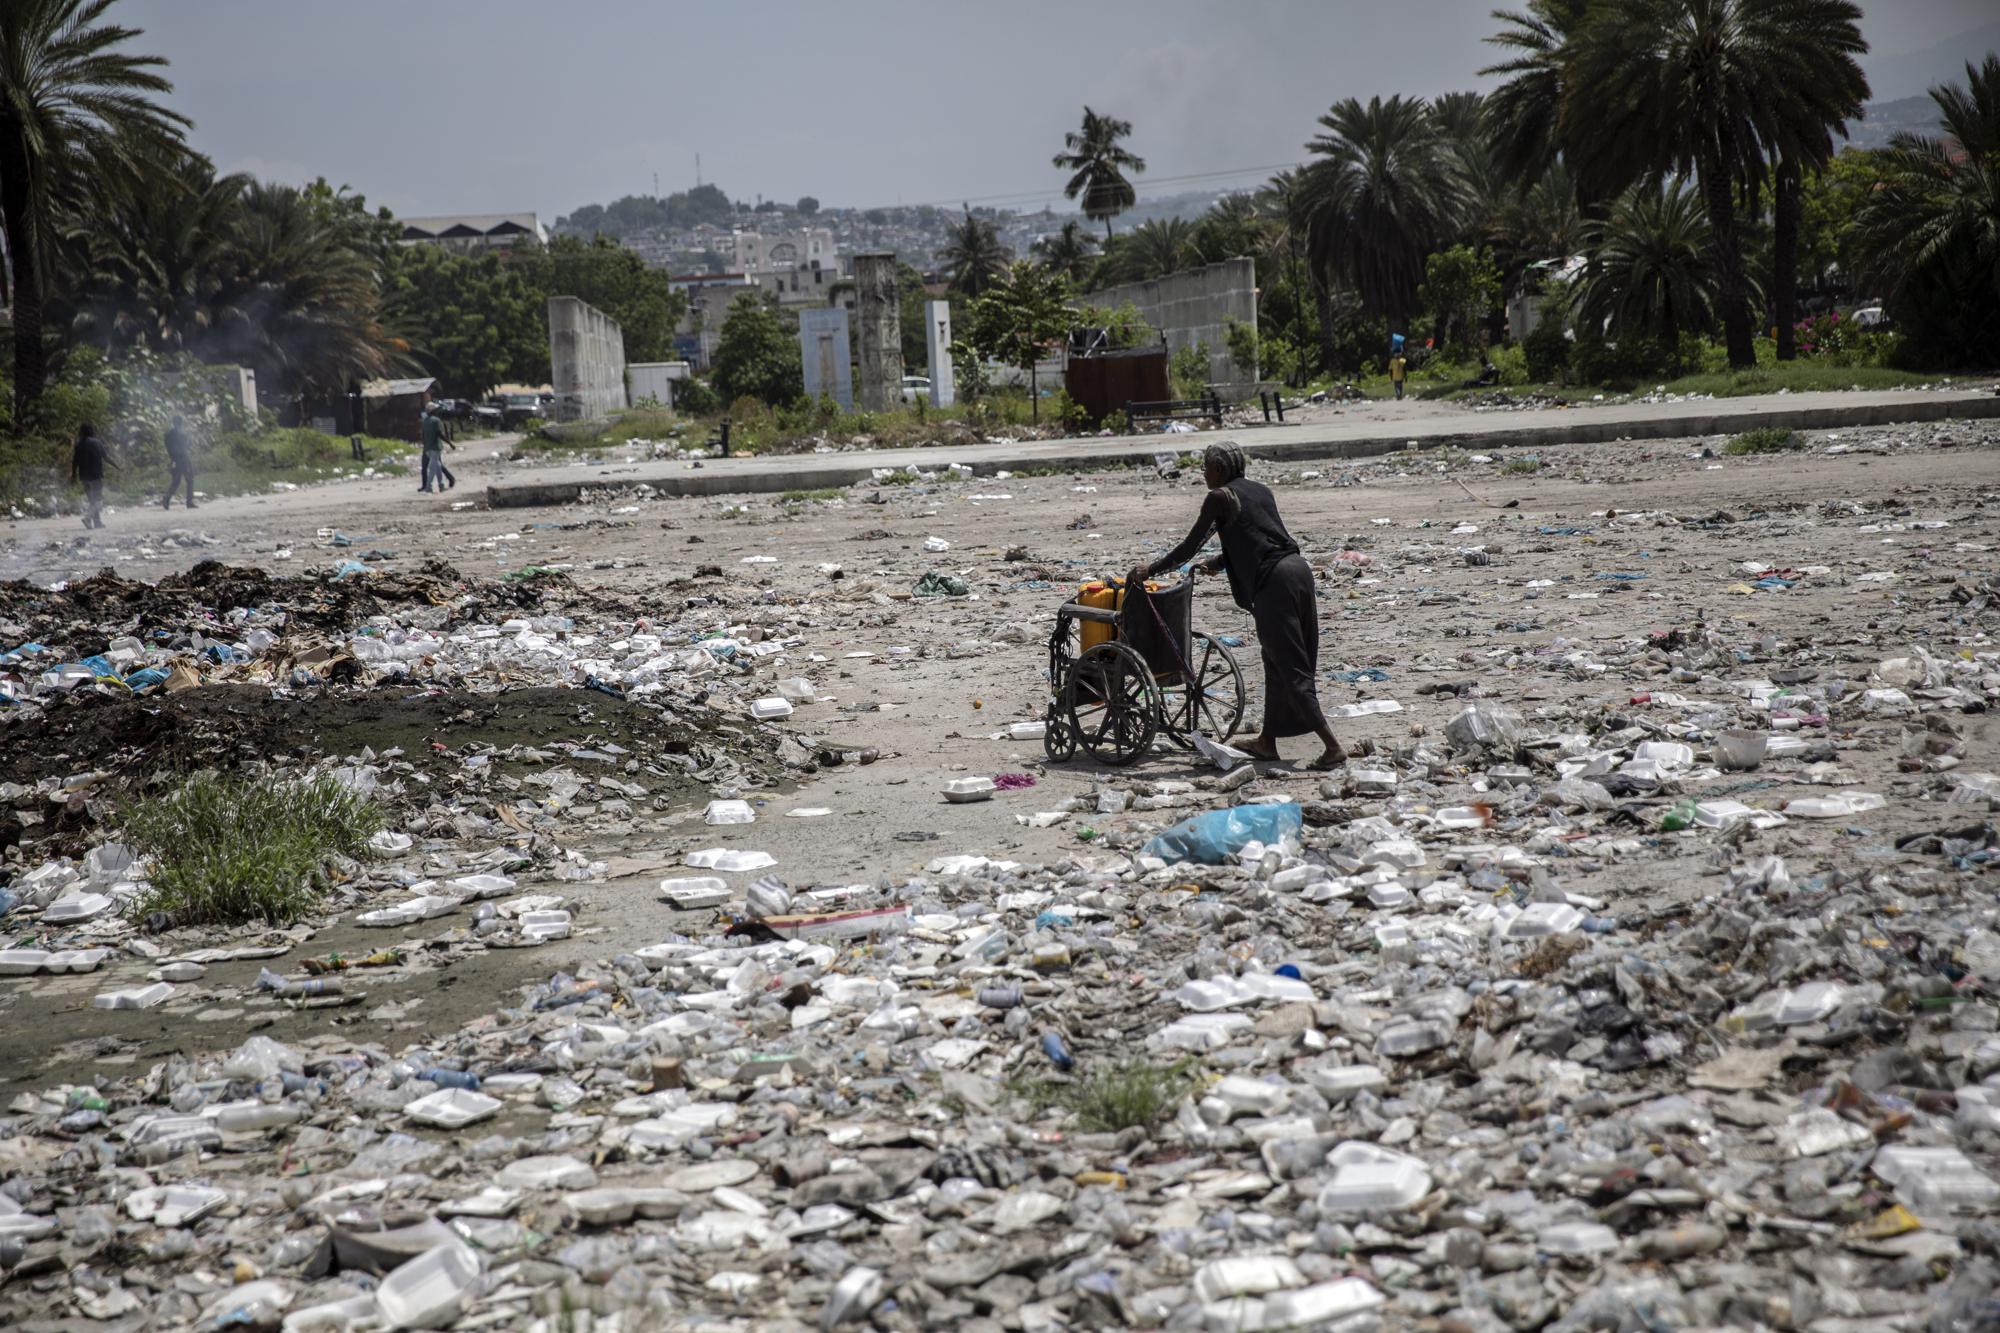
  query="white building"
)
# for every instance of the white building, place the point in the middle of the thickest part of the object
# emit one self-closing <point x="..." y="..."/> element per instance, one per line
<point x="787" y="250"/>
<point x="476" y="233"/>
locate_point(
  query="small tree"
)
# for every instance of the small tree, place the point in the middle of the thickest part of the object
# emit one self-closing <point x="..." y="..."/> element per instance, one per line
<point x="1017" y="318"/>
<point x="756" y="358"/>
<point x="1461" y="288"/>
<point x="807" y="206"/>
<point x="1241" y="339"/>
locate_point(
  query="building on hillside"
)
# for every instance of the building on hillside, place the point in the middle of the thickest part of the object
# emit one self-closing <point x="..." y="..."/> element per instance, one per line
<point x="476" y="233"/>
<point x="755" y="252"/>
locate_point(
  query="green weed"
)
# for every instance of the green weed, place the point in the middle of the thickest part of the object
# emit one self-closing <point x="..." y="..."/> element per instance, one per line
<point x="1116" y="1097"/>
<point x="1522" y="467"/>
<point x="227" y="851"/>
<point x="1764" y="440"/>
<point x="818" y="493"/>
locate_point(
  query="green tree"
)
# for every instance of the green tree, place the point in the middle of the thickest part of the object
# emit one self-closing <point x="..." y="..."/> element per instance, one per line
<point x="807" y="206"/>
<point x="1461" y="290"/>
<point x="1811" y="104"/>
<point x="1830" y="204"/>
<point x="73" y="110"/>
<point x="1068" y="252"/>
<point x="1930" y="234"/>
<point x="756" y="357"/>
<point x="1385" y="191"/>
<point x="973" y="255"/>
<point x="472" y="322"/>
<point x="1021" y="315"/>
<point x="601" y="273"/>
<point x="1650" y="270"/>
<point x="1529" y="116"/>
<point x="911" y="330"/>
<point x="1700" y="87"/>
<point x="1098" y="164"/>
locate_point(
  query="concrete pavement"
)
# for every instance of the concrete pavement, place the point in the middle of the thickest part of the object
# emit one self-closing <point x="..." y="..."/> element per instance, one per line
<point x="1352" y="431"/>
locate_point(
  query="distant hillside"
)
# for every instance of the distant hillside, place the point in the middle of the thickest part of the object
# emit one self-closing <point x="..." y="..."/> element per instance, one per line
<point x="1914" y="115"/>
<point x="1912" y="73"/>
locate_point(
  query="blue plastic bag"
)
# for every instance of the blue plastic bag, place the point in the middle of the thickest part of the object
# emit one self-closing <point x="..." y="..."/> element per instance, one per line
<point x="1214" y="838"/>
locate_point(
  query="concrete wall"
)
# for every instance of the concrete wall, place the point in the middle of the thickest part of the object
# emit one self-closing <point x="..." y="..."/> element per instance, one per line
<point x="825" y="356"/>
<point x="1196" y="306"/>
<point x="878" y="332"/>
<point x="586" y="360"/>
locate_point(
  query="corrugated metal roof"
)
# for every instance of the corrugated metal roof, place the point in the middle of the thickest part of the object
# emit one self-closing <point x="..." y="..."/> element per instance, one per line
<point x="394" y="388"/>
<point x="474" y="224"/>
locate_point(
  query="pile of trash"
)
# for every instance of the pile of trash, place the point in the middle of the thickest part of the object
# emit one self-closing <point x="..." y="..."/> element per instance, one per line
<point x="1360" y="1061"/>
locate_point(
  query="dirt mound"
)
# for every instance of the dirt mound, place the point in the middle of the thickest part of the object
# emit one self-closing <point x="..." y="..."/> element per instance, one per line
<point x="80" y="617"/>
<point x="153" y="741"/>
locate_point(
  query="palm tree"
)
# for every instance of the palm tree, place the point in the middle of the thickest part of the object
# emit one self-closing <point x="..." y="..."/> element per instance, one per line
<point x="1525" y="118"/>
<point x="1100" y="165"/>
<point x="1386" y="191"/>
<point x="1649" y="270"/>
<point x="146" y="266"/>
<point x="1811" y="105"/>
<point x="1659" y="87"/>
<point x="1236" y="226"/>
<point x="1068" y="252"/>
<point x="973" y="255"/>
<point x="1156" y="248"/>
<point x="72" y="109"/>
<point x="1540" y="222"/>
<point x="1930" y="232"/>
<point x="300" y="303"/>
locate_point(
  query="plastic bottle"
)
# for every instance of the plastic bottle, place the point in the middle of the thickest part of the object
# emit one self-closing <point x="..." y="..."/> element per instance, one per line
<point x="452" y="1078"/>
<point x="1678" y="818"/>
<point x="1000" y="997"/>
<point x="1058" y="1053"/>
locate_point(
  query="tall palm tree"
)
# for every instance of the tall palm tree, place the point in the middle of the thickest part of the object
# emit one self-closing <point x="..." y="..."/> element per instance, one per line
<point x="1540" y="222"/>
<point x="1068" y="252"/>
<point x="1386" y="190"/>
<point x="973" y="255"/>
<point x="1649" y="270"/>
<point x="1811" y="105"/>
<point x="1235" y="226"/>
<point x="1099" y="165"/>
<point x="300" y="303"/>
<point x="73" y="108"/>
<point x="1930" y="233"/>
<point x="1662" y="87"/>
<point x="1524" y="116"/>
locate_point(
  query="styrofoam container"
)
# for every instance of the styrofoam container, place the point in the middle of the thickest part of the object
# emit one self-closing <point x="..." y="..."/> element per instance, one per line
<point x="1809" y="1003"/>
<point x="1539" y="919"/>
<point x="1338" y="1082"/>
<point x="75" y="908"/>
<point x="547" y="924"/>
<point x="1741" y="749"/>
<point x="1935" y="1179"/>
<point x="430" y="1290"/>
<point x="729" y="812"/>
<point x="729" y="860"/>
<point x="1577" y="1238"/>
<point x="1246" y="1275"/>
<point x="452" y="1108"/>
<point x="174" y="1205"/>
<point x="1322" y="1305"/>
<point x="78" y="960"/>
<point x="959" y="791"/>
<point x="1384" y="1179"/>
<point x="22" y="962"/>
<point x="1199" y="1032"/>
<point x="766" y="710"/>
<point x="141" y="997"/>
<point x="472" y="888"/>
<point x="695" y="891"/>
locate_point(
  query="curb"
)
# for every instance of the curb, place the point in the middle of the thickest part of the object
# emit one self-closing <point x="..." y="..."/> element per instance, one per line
<point x="820" y="470"/>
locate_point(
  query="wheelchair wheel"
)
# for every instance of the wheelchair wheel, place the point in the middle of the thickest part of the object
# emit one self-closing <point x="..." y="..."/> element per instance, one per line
<point x="1058" y="737"/>
<point x="1215" y="697"/>
<point x="1112" y="704"/>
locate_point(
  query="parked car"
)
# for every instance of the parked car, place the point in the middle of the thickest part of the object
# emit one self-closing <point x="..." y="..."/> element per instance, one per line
<point x="516" y="408"/>
<point x="916" y="388"/>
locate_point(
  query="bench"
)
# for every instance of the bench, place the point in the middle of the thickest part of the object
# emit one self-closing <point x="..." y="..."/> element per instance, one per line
<point x="1173" y="408"/>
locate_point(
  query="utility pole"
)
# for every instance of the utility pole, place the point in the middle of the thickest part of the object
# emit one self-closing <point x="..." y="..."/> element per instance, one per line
<point x="656" y="185"/>
<point x="697" y="171"/>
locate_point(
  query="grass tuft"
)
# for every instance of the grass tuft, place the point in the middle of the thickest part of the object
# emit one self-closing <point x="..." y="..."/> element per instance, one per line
<point x="1765" y="440"/>
<point x="228" y="851"/>
<point x="1117" y="1097"/>
<point x="820" y="493"/>
<point x="1522" y="467"/>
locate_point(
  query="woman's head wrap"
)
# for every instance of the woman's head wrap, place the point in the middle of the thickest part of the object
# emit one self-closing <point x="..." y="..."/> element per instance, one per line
<point x="1227" y="458"/>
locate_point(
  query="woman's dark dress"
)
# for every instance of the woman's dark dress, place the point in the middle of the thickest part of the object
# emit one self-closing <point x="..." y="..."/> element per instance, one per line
<point x="1272" y="581"/>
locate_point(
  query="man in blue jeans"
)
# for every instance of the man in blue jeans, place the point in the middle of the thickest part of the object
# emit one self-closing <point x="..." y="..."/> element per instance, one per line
<point x="434" y="441"/>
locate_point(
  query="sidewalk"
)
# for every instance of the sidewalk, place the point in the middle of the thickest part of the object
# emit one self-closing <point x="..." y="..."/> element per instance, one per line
<point x="1360" y="430"/>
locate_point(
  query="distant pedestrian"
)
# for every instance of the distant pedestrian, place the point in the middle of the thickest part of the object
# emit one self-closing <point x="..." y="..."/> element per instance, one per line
<point x="180" y="458"/>
<point x="432" y="460"/>
<point x="86" y="466"/>
<point x="1399" y="369"/>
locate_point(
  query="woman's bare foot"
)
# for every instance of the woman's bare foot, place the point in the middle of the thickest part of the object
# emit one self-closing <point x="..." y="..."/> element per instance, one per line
<point x="1332" y="757"/>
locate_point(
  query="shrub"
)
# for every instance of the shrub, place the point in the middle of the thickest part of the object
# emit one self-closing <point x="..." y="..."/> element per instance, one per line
<point x="1187" y="371"/>
<point x="1764" y="440"/>
<point x="226" y="850"/>
<point x="697" y="399"/>
<point x="1136" y="1093"/>
<point x="1545" y="352"/>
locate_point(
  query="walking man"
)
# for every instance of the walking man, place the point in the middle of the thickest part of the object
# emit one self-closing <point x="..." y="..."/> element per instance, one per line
<point x="86" y="466"/>
<point x="1398" y="370"/>
<point x="180" y="457"/>
<point x="434" y="442"/>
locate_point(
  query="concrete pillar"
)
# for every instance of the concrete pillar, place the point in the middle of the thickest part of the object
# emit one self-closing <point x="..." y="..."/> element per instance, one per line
<point x="823" y="350"/>
<point x="937" y="340"/>
<point x="881" y="349"/>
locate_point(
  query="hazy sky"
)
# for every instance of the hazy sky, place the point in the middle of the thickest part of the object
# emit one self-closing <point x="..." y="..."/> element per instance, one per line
<point x="447" y="106"/>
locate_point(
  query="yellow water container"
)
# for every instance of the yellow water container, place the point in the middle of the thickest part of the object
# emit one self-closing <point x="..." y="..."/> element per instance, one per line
<point x="1103" y="597"/>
